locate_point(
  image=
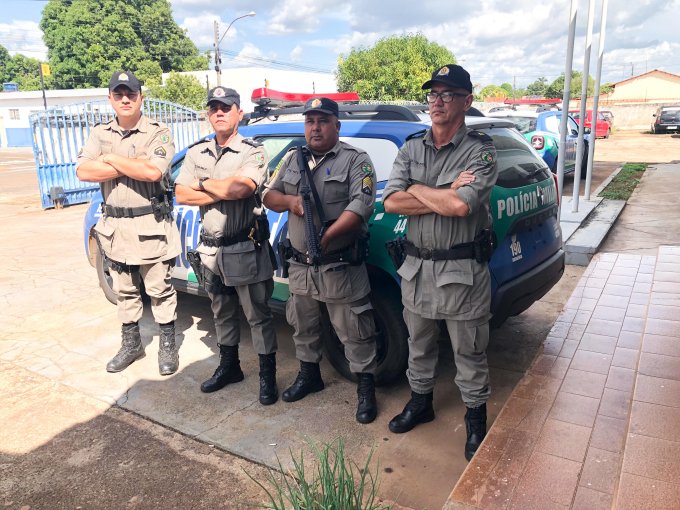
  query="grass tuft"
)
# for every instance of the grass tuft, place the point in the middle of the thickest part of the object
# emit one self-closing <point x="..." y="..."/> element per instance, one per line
<point x="336" y="483"/>
<point x="622" y="185"/>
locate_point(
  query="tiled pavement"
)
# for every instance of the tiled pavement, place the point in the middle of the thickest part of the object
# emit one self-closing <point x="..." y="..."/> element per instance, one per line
<point x="595" y="422"/>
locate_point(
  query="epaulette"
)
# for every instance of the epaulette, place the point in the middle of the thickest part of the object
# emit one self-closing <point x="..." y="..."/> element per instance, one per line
<point x="417" y="134"/>
<point x="482" y="136"/>
<point x="251" y="142"/>
<point x="200" y="140"/>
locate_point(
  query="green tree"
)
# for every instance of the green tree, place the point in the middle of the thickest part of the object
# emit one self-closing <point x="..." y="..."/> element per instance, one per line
<point x="88" y="40"/>
<point x="4" y="61"/>
<point x="393" y="69"/>
<point x="493" y="91"/>
<point x="556" y="88"/>
<point x="25" y="72"/>
<point x="181" y="89"/>
<point x="538" y="87"/>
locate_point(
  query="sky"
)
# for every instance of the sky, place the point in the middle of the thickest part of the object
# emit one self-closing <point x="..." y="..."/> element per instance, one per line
<point x="498" y="42"/>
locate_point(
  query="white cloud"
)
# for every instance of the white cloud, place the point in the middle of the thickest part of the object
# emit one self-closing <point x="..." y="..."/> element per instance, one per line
<point x="296" y="54"/>
<point x="25" y="37"/>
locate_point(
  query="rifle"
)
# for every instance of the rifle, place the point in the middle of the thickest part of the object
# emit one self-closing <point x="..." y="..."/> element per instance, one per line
<point x="306" y="190"/>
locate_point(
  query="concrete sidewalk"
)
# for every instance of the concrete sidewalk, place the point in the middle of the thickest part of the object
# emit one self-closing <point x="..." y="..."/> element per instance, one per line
<point x="594" y="423"/>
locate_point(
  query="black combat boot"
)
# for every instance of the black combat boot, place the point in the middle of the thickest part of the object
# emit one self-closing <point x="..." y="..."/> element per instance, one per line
<point x="131" y="348"/>
<point x="475" y="425"/>
<point x="308" y="381"/>
<point x="367" y="407"/>
<point x="168" y="357"/>
<point x="417" y="410"/>
<point x="269" y="392"/>
<point x="228" y="371"/>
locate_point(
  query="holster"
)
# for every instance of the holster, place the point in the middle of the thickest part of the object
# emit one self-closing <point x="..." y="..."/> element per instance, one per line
<point x="396" y="252"/>
<point x="161" y="206"/>
<point x="285" y="251"/>
<point x="484" y="244"/>
<point x="211" y="282"/>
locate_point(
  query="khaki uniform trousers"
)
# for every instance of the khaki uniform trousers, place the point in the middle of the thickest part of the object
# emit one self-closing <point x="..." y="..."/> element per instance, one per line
<point x="254" y="299"/>
<point x="469" y="339"/>
<point x="158" y="287"/>
<point x="353" y="322"/>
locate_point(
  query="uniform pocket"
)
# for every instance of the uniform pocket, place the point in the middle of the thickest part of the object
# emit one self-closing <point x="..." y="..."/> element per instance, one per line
<point x="153" y="241"/>
<point x="238" y="263"/>
<point x="409" y="281"/>
<point x="363" y="323"/>
<point x="104" y="233"/>
<point x="455" y="280"/>
<point x="335" y="187"/>
<point x="290" y="182"/>
<point x="335" y="281"/>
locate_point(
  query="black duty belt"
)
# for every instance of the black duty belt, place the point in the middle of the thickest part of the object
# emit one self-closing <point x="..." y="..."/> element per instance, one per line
<point x="329" y="258"/>
<point x="126" y="212"/>
<point x="217" y="241"/>
<point x="460" y="251"/>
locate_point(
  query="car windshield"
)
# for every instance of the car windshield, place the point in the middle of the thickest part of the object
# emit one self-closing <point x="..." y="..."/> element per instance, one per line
<point x="523" y="124"/>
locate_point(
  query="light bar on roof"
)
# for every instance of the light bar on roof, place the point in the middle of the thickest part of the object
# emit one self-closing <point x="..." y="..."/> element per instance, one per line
<point x="273" y="98"/>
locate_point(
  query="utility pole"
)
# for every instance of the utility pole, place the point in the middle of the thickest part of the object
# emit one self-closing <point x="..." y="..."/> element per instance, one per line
<point x="218" y="59"/>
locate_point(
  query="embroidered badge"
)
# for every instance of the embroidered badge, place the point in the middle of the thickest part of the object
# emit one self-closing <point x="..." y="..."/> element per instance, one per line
<point x="160" y="152"/>
<point x="123" y="77"/>
<point x="367" y="169"/>
<point x="487" y="157"/>
<point x="367" y="185"/>
<point x="165" y="138"/>
<point x="260" y="159"/>
<point x="444" y="71"/>
<point x="218" y="92"/>
<point x="316" y="103"/>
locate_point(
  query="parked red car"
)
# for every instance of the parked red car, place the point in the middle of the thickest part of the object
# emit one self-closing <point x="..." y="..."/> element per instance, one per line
<point x="603" y="128"/>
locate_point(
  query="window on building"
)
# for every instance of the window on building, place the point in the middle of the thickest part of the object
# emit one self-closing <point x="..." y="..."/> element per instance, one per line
<point x="14" y="114"/>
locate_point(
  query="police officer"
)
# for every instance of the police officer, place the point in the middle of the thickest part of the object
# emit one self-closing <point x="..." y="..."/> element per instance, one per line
<point x="130" y="157"/>
<point x="344" y="181"/>
<point x="223" y="176"/>
<point x="442" y="179"/>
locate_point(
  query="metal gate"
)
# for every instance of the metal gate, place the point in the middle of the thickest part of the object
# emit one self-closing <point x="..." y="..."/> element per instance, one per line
<point x="60" y="132"/>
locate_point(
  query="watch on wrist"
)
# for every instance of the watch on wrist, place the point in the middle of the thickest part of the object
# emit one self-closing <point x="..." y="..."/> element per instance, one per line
<point x="201" y="181"/>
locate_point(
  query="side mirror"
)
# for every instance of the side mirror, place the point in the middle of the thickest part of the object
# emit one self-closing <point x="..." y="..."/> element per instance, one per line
<point x="574" y="132"/>
<point x="653" y="114"/>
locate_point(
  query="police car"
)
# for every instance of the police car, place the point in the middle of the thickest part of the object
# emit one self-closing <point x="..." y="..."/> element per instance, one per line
<point x="527" y="262"/>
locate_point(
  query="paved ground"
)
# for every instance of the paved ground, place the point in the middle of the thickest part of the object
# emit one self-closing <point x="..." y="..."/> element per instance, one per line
<point x="59" y="332"/>
<point x="593" y="423"/>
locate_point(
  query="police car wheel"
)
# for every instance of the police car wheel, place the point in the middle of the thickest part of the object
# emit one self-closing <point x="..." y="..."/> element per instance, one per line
<point x="391" y="337"/>
<point x="104" y="276"/>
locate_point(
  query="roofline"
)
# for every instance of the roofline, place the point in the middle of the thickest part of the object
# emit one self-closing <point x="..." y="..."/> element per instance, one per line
<point x="644" y="74"/>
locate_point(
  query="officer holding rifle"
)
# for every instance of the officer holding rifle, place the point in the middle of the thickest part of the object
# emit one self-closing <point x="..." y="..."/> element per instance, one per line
<point x="328" y="187"/>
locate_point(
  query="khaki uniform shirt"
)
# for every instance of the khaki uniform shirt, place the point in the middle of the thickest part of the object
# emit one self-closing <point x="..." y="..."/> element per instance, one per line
<point x="241" y="263"/>
<point x="446" y="289"/>
<point x="139" y="240"/>
<point x="345" y="181"/>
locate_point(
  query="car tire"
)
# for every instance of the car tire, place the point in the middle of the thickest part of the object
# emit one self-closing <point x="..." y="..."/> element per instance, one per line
<point x="104" y="276"/>
<point x="391" y="336"/>
<point x="609" y="132"/>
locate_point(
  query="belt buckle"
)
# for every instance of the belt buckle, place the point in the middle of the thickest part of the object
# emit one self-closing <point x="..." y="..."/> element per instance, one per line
<point x="425" y="253"/>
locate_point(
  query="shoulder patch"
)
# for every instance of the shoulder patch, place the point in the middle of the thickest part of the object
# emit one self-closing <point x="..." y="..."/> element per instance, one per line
<point x="479" y="135"/>
<point x="253" y="143"/>
<point x="160" y="151"/>
<point x="417" y="134"/>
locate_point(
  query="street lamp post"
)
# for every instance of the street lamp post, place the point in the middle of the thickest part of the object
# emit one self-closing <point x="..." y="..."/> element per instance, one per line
<point x="218" y="40"/>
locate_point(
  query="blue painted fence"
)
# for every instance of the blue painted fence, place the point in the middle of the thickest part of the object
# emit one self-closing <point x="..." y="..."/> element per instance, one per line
<point x="60" y="132"/>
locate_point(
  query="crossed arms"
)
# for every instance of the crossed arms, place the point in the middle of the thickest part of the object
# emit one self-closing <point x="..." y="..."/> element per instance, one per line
<point x="420" y="199"/>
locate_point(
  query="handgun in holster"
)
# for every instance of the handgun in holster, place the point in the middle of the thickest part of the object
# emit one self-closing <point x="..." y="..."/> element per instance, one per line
<point x="396" y="252"/>
<point x="194" y="259"/>
<point x="285" y="251"/>
<point x="484" y="245"/>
